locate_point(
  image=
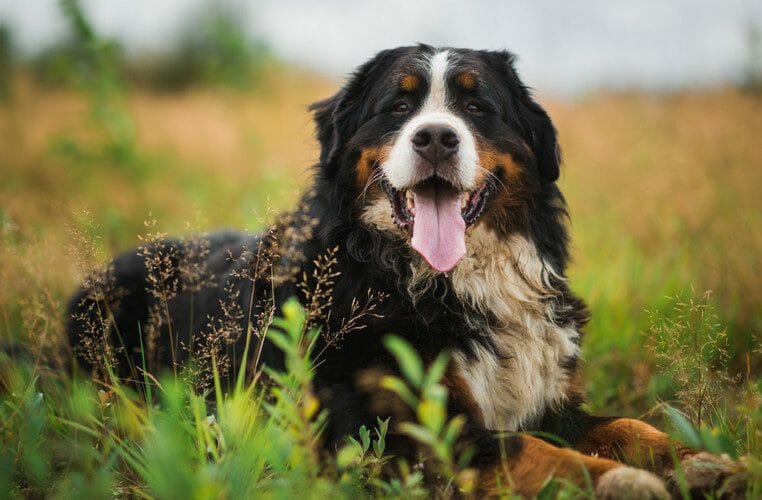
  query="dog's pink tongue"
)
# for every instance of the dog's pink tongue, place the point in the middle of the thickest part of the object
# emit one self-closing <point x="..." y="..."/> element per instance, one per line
<point x="439" y="229"/>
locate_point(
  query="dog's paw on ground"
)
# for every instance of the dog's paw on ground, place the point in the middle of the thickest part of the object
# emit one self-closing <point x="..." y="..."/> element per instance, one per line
<point x="704" y="473"/>
<point x="628" y="483"/>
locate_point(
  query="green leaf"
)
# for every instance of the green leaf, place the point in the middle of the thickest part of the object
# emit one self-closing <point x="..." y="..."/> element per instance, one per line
<point x="409" y="362"/>
<point x="397" y="386"/>
<point x="714" y="441"/>
<point x="436" y="370"/>
<point x="280" y="340"/>
<point x="453" y="429"/>
<point x="436" y="392"/>
<point x="550" y="491"/>
<point x="355" y="443"/>
<point x="418" y="432"/>
<point x="365" y="438"/>
<point x="291" y="319"/>
<point x="347" y="456"/>
<point x="379" y="446"/>
<point x="432" y="414"/>
<point x="685" y="431"/>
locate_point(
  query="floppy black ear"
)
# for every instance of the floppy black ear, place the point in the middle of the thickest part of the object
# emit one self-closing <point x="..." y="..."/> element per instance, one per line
<point x="544" y="143"/>
<point x="338" y="117"/>
<point x="536" y="126"/>
<point x="324" y="114"/>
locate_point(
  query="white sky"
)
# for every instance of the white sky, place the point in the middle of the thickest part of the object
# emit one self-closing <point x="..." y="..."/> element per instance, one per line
<point x="563" y="46"/>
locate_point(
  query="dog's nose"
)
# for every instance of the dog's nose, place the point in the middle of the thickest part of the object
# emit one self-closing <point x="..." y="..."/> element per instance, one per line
<point x="435" y="142"/>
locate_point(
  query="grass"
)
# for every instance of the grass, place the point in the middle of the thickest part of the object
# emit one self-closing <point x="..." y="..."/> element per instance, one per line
<point x="664" y="193"/>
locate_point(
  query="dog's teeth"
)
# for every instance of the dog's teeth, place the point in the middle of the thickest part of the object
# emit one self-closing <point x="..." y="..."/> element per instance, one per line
<point x="464" y="201"/>
<point x="409" y="202"/>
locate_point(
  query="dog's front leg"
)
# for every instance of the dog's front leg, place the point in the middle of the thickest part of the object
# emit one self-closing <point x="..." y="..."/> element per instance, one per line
<point x="641" y="445"/>
<point x="630" y="441"/>
<point x="524" y="464"/>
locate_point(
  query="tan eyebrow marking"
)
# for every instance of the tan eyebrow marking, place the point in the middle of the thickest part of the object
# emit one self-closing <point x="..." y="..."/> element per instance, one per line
<point x="467" y="80"/>
<point x="409" y="82"/>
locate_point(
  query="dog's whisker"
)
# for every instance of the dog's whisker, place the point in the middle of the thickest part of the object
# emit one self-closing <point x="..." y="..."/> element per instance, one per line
<point x="372" y="179"/>
<point x="376" y="176"/>
<point x="390" y="134"/>
<point x="491" y="175"/>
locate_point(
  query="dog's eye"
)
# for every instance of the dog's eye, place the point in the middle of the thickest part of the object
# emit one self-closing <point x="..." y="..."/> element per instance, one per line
<point x="473" y="107"/>
<point x="401" y="107"/>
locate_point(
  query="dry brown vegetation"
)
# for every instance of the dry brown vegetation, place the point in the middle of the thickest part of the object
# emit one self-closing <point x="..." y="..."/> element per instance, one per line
<point x="680" y="173"/>
<point x="664" y="192"/>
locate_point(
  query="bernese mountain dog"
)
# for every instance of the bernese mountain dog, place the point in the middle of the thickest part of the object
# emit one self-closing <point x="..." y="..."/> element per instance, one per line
<point x="434" y="212"/>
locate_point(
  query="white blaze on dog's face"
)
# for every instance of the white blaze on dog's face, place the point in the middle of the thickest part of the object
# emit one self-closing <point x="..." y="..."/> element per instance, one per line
<point x="441" y="140"/>
<point x="434" y="163"/>
<point x="405" y="167"/>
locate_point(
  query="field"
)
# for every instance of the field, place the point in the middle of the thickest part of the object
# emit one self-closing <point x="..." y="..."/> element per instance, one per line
<point x="665" y="194"/>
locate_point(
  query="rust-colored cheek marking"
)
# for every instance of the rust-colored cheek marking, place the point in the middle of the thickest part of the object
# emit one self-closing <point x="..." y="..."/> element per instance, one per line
<point x="409" y="82"/>
<point x="467" y="80"/>
<point x="509" y="202"/>
<point x="491" y="159"/>
<point x="370" y="159"/>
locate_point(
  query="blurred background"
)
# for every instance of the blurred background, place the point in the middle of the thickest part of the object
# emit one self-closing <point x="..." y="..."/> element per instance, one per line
<point x="563" y="47"/>
<point x="119" y="118"/>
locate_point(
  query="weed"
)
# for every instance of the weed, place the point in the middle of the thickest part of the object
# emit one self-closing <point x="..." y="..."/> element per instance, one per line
<point x="691" y="347"/>
<point x="427" y="397"/>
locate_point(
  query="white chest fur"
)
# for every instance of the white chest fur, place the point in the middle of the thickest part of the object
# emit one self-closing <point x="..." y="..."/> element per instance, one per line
<point x="508" y="279"/>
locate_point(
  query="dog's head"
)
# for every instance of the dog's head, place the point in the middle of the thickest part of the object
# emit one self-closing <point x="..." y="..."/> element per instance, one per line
<point x="438" y="141"/>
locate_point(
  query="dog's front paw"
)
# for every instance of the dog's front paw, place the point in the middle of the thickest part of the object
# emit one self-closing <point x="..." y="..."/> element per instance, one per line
<point x="703" y="473"/>
<point x="628" y="483"/>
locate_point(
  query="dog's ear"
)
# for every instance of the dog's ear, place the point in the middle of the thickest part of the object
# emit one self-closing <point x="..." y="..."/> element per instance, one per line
<point x="338" y="118"/>
<point x="533" y="121"/>
<point x="544" y="143"/>
<point x="324" y="114"/>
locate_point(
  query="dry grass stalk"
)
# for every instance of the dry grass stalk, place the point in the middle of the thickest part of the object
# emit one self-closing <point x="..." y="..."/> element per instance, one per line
<point x="691" y="346"/>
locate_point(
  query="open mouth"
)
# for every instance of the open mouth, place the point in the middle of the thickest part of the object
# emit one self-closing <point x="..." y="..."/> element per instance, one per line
<point x="403" y="202"/>
<point x="437" y="214"/>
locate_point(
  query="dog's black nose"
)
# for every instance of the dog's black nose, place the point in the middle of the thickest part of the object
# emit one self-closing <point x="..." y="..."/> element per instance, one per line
<point x="435" y="142"/>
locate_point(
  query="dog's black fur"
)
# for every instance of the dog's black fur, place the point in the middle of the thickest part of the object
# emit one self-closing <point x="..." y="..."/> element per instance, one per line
<point x="362" y="117"/>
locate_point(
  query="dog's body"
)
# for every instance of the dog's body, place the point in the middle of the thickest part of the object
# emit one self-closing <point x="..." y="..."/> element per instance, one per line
<point x="434" y="216"/>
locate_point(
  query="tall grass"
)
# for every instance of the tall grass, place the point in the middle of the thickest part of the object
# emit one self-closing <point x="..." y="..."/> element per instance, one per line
<point x="664" y="193"/>
<point x="654" y="342"/>
<point x="68" y="437"/>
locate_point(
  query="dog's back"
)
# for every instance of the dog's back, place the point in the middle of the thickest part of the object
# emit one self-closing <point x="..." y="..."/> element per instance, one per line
<point x="150" y="306"/>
